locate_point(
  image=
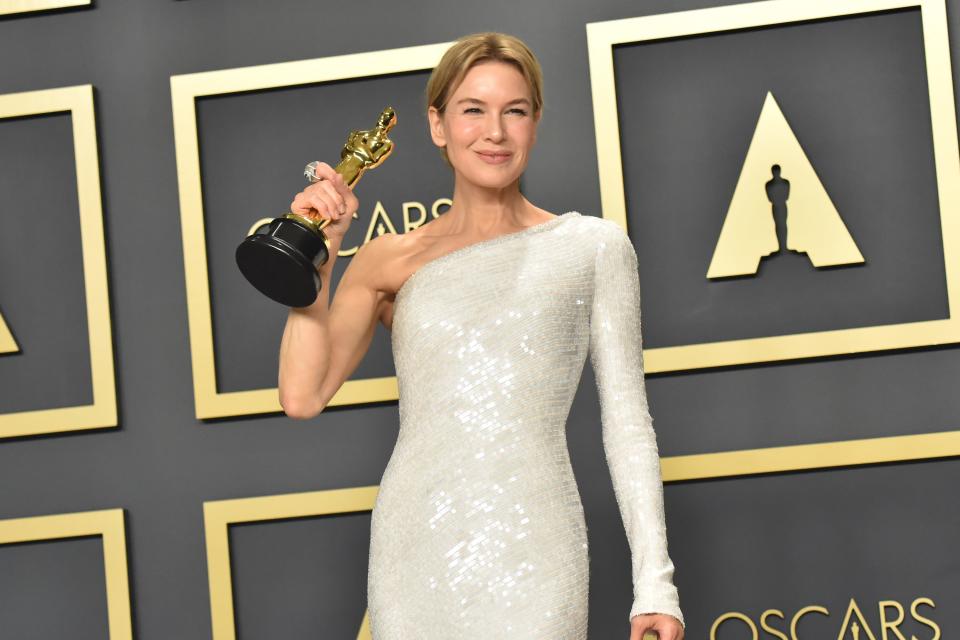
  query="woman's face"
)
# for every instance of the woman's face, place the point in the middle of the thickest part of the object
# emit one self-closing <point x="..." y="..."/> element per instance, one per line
<point x="488" y="126"/>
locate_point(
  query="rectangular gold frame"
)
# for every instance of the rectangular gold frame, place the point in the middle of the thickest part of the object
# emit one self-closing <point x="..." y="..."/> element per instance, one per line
<point x="185" y="89"/>
<point x="601" y="38"/>
<point x="109" y="524"/>
<point x="8" y="7"/>
<point x="78" y="101"/>
<point x="220" y="514"/>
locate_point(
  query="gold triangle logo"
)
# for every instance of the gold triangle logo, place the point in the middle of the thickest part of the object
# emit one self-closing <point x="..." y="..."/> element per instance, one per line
<point x="813" y="225"/>
<point x="858" y="630"/>
<point x="7" y="343"/>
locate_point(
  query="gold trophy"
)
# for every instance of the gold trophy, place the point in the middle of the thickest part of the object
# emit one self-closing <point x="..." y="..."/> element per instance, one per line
<point x="280" y="258"/>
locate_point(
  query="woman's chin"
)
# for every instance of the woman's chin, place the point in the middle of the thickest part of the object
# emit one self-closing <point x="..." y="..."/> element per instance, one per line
<point x="491" y="178"/>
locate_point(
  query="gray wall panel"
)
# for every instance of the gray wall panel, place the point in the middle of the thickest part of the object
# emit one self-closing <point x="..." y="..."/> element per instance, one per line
<point x="52" y="590"/>
<point x="859" y="108"/>
<point x="41" y="294"/>
<point x="743" y="544"/>
<point x="307" y="577"/>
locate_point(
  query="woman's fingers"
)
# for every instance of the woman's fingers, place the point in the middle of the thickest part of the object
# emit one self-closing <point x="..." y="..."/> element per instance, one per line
<point x="660" y="626"/>
<point x="327" y="174"/>
<point x="301" y="204"/>
<point x="315" y="201"/>
<point x="324" y="171"/>
<point x="339" y="185"/>
<point x="309" y="203"/>
<point x="324" y="203"/>
<point x="334" y="194"/>
<point x="329" y="198"/>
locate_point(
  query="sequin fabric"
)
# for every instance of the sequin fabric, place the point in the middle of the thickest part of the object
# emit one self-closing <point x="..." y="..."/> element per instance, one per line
<point x="478" y="529"/>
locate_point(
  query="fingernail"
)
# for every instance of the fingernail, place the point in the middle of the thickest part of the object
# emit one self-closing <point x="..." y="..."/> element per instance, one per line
<point x="343" y="208"/>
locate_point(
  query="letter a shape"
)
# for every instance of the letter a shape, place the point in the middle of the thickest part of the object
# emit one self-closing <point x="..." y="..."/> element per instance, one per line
<point x="854" y="609"/>
<point x="814" y="226"/>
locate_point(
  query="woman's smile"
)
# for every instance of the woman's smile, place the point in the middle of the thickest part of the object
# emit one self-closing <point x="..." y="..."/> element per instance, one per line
<point x="494" y="157"/>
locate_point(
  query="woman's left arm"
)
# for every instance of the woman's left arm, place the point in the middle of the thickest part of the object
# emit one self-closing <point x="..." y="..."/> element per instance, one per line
<point x="629" y="441"/>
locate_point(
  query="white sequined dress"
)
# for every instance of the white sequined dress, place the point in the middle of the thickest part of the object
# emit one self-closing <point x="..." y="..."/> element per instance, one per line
<point x="478" y="531"/>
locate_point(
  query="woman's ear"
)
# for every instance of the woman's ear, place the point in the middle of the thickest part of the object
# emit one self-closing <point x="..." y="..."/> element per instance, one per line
<point x="436" y="127"/>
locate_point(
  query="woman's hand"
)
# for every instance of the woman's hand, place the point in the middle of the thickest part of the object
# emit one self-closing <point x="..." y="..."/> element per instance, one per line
<point x="666" y="627"/>
<point x="330" y="198"/>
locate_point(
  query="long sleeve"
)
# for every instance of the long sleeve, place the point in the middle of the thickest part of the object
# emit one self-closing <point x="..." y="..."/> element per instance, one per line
<point x="629" y="440"/>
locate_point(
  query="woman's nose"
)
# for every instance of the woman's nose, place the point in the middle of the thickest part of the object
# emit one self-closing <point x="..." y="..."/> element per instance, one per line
<point x="494" y="129"/>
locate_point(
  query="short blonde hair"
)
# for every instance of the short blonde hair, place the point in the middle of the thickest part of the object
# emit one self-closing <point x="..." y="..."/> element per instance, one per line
<point x="473" y="49"/>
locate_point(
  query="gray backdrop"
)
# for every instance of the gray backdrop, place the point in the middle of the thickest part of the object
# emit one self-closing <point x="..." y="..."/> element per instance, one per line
<point x="854" y="90"/>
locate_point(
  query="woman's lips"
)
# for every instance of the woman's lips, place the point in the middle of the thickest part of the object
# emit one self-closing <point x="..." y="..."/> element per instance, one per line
<point x="494" y="157"/>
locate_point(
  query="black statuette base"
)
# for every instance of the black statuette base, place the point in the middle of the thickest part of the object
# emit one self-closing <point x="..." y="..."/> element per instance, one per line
<point x="281" y="259"/>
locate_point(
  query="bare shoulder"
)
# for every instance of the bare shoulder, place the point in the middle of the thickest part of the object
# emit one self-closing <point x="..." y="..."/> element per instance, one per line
<point x="370" y="270"/>
<point x="375" y="249"/>
<point x="373" y="260"/>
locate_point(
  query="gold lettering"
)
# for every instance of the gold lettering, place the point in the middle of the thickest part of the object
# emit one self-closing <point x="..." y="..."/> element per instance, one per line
<point x="440" y="202"/>
<point x="378" y="212"/>
<point x="924" y="621"/>
<point x="763" y="623"/>
<point x="380" y="222"/>
<point x="854" y="608"/>
<point x="733" y="615"/>
<point x="408" y="224"/>
<point x="887" y="624"/>
<point x="796" y="618"/>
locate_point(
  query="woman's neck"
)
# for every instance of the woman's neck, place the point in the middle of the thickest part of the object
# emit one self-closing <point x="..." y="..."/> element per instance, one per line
<point x="482" y="212"/>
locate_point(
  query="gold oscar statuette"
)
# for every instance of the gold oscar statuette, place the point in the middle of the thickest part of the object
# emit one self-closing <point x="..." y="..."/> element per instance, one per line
<point x="281" y="257"/>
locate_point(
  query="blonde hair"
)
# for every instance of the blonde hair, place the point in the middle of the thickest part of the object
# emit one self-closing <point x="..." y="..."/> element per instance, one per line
<point x="473" y="49"/>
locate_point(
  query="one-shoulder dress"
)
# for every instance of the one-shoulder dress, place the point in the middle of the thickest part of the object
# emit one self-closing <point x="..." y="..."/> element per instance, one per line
<point x="478" y="530"/>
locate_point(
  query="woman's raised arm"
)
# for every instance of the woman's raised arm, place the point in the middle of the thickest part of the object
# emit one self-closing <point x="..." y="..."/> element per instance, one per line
<point x="323" y="343"/>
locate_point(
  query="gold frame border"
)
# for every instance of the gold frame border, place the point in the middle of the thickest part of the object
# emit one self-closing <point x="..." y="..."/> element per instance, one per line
<point x="218" y="515"/>
<point x="184" y="89"/>
<point x="109" y="524"/>
<point x="601" y="37"/>
<point x="10" y="7"/>
<point x="78" y="101"/>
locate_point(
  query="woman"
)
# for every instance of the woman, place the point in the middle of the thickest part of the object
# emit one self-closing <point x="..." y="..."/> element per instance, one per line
<point x="478" y="529"/>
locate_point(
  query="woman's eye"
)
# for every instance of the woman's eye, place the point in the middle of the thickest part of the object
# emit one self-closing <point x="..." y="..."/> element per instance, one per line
<point x="520" y="111"/>
<point x="471" y="110"/>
